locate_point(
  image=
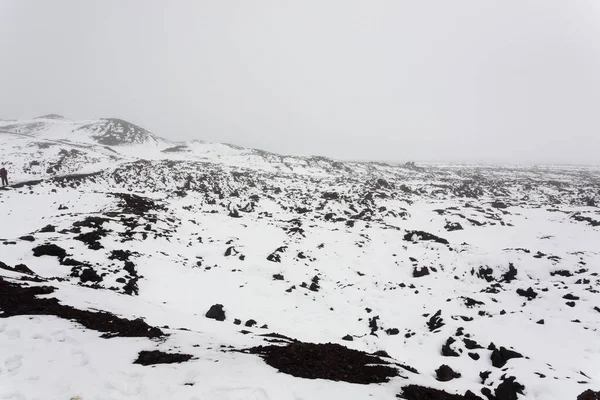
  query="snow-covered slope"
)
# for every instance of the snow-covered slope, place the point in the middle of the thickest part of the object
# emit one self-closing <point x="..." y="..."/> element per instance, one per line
<point x="191" y="256"/>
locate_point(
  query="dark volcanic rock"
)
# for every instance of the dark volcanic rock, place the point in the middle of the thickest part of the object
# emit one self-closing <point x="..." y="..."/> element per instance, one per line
<point x="589" y="395"/>
<point x="511" y="274"/>
<point x="159" y="357"/>
<point x="420" y="235"/>
<point x="19" y="300"/>
<point x="89" y="275"/>
<point x="414" y="392"/>
<point x="216" y="312"/>
<point x="392" y="331"/>
<point x="529" y="293"/>
<point x="49" y="249"/>
<point x="444" y="373"/>
<point x="501" y="356"/>
<point x="436" y="321"/>
<point x="326" y="361"/>
<point x="448" y="351"/>
<point x="509" y="389"/>
<point x="453" y="226"/>
<point x="471" y="344"/>
<point x="27" y="238"/>
<point x="48" y="229"/>
<point x="417" y="273"/>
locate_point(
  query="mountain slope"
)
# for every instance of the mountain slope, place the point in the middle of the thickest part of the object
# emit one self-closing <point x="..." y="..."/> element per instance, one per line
<point x="433" y="265"/>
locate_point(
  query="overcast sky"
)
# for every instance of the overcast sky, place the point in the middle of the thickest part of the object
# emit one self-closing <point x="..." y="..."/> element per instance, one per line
<point x="468" y="80"/>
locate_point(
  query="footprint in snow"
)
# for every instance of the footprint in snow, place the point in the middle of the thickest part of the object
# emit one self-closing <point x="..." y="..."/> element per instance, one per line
<point x="13" y="334"/>
<point x="13" y="363"/>
<point x="240" y="394"/>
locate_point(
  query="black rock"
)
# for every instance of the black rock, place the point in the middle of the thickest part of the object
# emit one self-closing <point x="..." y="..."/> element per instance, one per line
<point x="529" y="293"/>
<point x="420" y="235"/>
<point x="501" y="356"/>
<point x="49" y="249"/>
<point x="589" y="395"/>
<point x="216" y="312"/>
<point x="447" y="351"/>
<point x="348" y="338"/>
<point x="250" y="323"/>
<point x="540" y="322"/>
<point x="471" y="344"/>
<point x="444" y="373"/>
<point x="570" y="297"/>
<point x="511" y="274"/>
<point x="415" y="392"/>
<point x="474" y="356"/>
<point x="509" y="389"/>
<point x="484" y="375"/>
<point x="159" y="357"/>
<point x="392" y="331"/>
<point x="48" y="228"/>
<point x="453" y="226"/>
<point x="278" y="277"/>
<point x="237" y="321"/>
<point x="417" y="273"/>
<point x="436" y="321"/>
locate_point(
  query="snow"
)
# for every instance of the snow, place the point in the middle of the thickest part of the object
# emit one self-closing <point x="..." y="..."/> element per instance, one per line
<point x="183" y="270"/>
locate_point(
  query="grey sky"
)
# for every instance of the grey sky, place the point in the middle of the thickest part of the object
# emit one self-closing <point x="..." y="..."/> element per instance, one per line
<point x="467" y="80"/>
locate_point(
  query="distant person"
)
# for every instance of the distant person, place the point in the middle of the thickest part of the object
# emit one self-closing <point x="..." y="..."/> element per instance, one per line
<point x="4" y="176"/>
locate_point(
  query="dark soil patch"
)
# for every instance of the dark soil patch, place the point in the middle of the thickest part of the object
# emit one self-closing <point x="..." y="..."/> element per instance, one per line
<point x="326" y="361"/>
<point x="17" y="299"/>
<point x="158" y="357"/>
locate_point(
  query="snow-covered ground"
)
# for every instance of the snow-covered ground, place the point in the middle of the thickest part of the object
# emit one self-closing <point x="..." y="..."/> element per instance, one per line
<point x="359" y="254"/>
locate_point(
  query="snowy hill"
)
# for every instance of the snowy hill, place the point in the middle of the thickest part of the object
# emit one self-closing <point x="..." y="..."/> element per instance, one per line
<point x="136" y="268"/>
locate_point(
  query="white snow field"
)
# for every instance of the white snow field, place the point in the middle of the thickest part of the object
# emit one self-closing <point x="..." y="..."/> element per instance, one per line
<point x="115" y="242"/>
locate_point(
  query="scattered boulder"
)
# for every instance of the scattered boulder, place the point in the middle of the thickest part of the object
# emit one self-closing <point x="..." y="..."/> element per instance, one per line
<point x="444" y="373"/>
<point x="501" y="356"/>
<point x="529" y="293"/>
<point x="453" y="226"/>
<point x="49" y="249"/>
<point x="448" y="351"/>
<point x="589" y="395"/>
<point x="417" y="273"/>
<point x="216" y="312"/>
<point x="436" y="321"/>
<point x="413" y="236"/>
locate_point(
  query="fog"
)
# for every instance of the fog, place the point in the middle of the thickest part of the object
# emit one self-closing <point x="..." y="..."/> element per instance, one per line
<point x="461" y="81"/>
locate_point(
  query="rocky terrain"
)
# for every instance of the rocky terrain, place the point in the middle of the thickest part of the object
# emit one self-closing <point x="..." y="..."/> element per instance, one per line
<point x="132" y="267"/>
